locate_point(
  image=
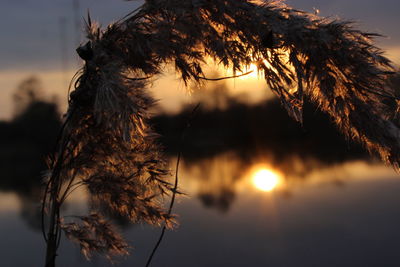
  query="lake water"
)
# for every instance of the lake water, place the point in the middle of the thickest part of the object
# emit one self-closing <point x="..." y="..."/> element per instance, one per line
<point x="297" y="214"/>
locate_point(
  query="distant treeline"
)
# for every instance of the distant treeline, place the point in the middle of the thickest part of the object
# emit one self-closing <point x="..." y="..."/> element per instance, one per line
<point x="25" y="143"/>
<point x="250" y="130"/>
<point x="245" y="130"/>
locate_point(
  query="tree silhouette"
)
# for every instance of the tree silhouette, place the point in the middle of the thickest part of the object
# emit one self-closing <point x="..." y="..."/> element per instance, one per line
<point x="28" y="91"/>
<point x="107" y="145"/>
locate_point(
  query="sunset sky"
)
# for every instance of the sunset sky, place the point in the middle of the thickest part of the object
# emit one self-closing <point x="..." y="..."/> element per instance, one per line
<point x="31" y="37"/>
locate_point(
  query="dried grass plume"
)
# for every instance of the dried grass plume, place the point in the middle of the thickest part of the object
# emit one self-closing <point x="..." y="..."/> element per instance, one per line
<point x="107" y="144"/>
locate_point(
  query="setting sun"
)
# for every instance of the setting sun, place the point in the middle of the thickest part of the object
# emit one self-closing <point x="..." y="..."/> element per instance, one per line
<point x="265" y="180"/>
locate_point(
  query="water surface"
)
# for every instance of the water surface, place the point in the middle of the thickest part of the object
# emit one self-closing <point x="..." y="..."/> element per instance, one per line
<point x="345" y="214"/>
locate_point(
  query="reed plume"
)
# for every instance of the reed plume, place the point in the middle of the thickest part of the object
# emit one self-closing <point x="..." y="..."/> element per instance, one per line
<point x="106" y="143"/>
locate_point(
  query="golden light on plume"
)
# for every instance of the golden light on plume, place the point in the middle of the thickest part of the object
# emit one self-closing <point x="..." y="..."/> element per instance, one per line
<point x="256" y="72"/>
<point x="252" y="71"/>
<point x="265" y="180"/>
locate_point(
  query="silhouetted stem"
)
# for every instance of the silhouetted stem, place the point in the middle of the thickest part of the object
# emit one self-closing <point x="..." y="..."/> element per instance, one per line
<point x="169" y="212"/>
<point x="54" y="227"/>
<point x="174" y="190"/>
<point x="51" y="251"/>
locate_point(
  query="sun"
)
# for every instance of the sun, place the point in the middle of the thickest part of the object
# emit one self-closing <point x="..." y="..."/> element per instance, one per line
<point x="265" y="180"/>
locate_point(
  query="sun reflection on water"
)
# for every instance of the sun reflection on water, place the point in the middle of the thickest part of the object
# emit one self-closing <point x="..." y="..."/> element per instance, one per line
<point x="265" y="180"/>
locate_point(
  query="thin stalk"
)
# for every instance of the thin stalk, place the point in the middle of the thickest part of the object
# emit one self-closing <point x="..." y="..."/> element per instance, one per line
<point x="169" y="211"/>
<point x="224" y="78"/>
<point x="51" y="251"/>
<point x="175" y="188"/>
<point x="55" y="186"/>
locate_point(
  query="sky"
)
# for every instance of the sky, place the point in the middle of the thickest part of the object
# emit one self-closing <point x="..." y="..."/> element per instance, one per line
<point x="37" y="34"/>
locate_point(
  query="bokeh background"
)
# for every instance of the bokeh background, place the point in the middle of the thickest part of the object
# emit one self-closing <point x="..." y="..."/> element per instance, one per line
<point x="261" y="190"/>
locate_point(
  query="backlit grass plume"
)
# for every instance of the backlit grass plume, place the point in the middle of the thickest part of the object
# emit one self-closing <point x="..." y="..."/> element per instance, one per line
<point x="106" y="144"/>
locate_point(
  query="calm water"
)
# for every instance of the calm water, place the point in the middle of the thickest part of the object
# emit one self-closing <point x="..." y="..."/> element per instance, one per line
<point x="300" y="214"/>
